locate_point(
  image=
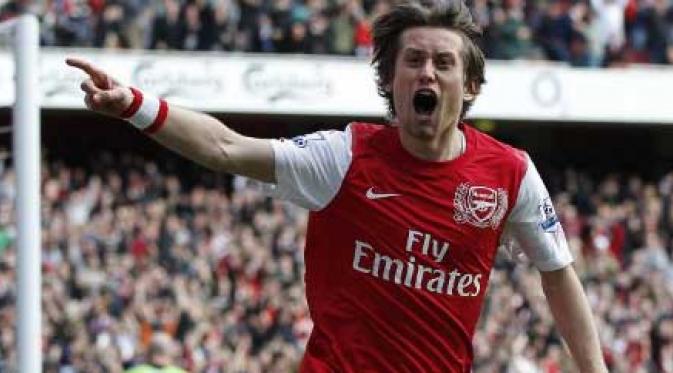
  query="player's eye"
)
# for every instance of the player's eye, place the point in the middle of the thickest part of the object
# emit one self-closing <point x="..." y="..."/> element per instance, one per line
<point x="414" y="60"/>
<point x="443" y="63"/>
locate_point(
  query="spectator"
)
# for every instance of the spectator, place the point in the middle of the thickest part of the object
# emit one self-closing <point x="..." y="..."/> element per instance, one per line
<point x="653" y="31"/>
<point x="197" y="29"/>
<point x="512" y="37"/>
<point x="610" y="17"/>
<point x="165" y="27"/>
<point x="225" y="26"/>
<point x="161" y="354"/>
<point x="585" y="48"/>
<point x="317" y="33"/>
<point x="12" y="8"/>
<point x="295" y="39"/>
<point x="265" y="35"/>
<point x="342" y="30"/>
<point x="72" y="23"/>
<point x="109" y="32"/>
<point x="555" y="32"/>
<point x="251" y="13"/>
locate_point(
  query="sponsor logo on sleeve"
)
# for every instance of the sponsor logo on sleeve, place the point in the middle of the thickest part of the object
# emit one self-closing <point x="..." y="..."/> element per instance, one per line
<point x="300" y="141"/>
<point x="303" y="140"/>
<point x="549" y="222"/>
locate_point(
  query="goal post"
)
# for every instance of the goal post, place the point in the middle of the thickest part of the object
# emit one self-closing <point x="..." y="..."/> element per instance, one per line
<point x="24" y="35"/>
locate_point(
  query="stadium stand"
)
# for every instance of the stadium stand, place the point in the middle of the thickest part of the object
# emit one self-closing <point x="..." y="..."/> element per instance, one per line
<point x="132" y="249"/>
<point x="581" y="33"/>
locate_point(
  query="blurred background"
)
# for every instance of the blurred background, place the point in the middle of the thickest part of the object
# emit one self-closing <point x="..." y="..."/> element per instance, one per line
<point x="148" y="258"/>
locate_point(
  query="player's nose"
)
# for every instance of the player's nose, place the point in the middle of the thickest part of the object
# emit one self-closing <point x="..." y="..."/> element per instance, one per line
<point x="427" y="72"/>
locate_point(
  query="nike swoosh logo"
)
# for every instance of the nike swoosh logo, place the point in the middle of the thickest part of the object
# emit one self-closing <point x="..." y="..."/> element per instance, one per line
<point x="373" y="195"/>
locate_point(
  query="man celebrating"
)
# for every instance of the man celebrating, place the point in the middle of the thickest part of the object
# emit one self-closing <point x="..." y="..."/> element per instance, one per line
<point x="405" y="219"/>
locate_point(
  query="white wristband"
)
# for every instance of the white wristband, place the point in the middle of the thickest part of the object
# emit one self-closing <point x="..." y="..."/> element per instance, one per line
<point x="147" y="113"/>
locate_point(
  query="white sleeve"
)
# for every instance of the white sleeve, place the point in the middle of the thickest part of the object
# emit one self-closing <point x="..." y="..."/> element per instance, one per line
<point x="534" y="228"/>
<point x="311" y="168"/>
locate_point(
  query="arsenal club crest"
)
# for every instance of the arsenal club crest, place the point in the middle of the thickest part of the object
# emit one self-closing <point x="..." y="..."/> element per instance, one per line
<point x="479" y="205"/>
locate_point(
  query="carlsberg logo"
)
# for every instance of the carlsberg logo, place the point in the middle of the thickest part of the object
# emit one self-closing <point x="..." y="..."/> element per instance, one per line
<point x="410" y="274"/>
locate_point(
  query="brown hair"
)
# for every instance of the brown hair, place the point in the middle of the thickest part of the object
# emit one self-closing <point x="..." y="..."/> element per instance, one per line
<point x="449" y="14"/>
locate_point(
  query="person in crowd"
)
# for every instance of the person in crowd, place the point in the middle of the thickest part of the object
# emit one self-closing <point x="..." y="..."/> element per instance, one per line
<point x="160" y="356"/>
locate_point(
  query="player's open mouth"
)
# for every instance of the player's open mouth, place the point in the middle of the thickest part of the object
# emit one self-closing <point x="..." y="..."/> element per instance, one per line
<point x="425" y="101"/>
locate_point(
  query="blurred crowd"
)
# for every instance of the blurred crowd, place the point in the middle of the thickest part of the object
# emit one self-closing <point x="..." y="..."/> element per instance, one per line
<point x="588" y="33"/>
<point x="620" y="230"/>
<point x="144" y="264"/>
<point x="133" y="257"/>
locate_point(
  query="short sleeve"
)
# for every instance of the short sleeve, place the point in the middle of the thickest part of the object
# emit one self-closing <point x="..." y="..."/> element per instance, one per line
<point x="311" y="168"/>
<point x="533" y="227"/>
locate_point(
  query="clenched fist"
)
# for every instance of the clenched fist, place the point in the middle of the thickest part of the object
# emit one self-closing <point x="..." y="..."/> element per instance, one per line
<point x="103" y="94"/>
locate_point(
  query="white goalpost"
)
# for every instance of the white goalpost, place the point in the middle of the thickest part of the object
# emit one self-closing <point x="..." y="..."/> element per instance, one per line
<point x="24" y="35"/>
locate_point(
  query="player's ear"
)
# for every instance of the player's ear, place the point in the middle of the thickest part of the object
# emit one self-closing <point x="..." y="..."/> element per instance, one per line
<point x="470" y="91"/>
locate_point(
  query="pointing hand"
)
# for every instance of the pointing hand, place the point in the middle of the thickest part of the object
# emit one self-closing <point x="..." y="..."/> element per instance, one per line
<point x="103" y="94"/>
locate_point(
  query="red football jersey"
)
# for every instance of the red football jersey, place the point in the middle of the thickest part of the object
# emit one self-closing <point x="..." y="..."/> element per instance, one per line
<point x="398" y="262"/>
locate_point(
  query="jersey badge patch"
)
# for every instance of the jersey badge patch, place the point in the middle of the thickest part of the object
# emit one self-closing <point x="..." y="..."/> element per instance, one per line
<point x="480" y="206"/>
<point x="548" y="219"/>
<point x="300" y="141"/>
<point x="303" y="140"/>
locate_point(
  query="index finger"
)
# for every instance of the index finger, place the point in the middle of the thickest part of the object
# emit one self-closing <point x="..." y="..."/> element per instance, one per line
<point x="97" y="75"/>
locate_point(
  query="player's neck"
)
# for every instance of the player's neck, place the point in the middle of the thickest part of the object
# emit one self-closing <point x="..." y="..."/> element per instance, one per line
<point x="446" y="146"/>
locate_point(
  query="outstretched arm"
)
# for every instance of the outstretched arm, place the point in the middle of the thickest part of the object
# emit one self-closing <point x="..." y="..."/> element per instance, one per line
<point x="571" y="311"/>
<point x="196" y="136"/>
